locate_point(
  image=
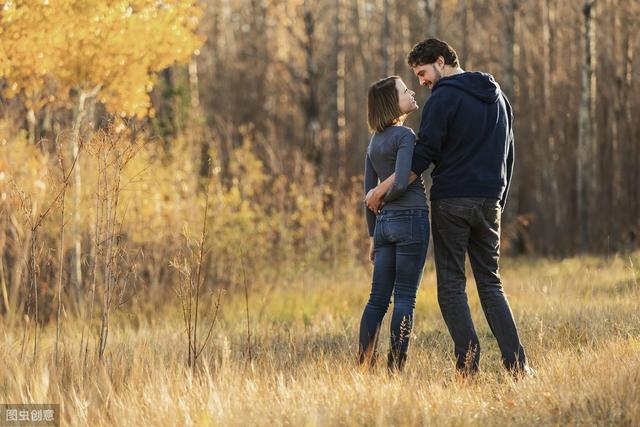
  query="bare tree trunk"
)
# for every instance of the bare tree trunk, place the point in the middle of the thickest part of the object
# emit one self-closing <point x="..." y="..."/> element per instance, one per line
<point x="634" y="157"/>
<point x="47" y="123"/>
<point x="61" y="253"/>
<point x="550" y="178"/>
<point x="33" y="275"/>
<point x="339" y="118"/>
<point x="616" y="195"/>
<point x="514" y="207"/>
<point x="78" y="120"/>
<point x="630" y="160"/>
<point x="386" y="39"/>
<point x="361" y="24"/>
<point x="585" y="178"/>
<point x="312" y="143"/>
<point x="32" y="126"/>
<point x="3" y="286"/>
<point x="196" y="124"/>
<point x="512" y="10"/>
<point x="77" y="182"/>
<point x="212" y="78"/>
<point x="194" y="92"/>
<point x="8" y="309"/>
<point x="463" y="16"/>
<point x="259" y="52"/>
<point x="432" y="10"/>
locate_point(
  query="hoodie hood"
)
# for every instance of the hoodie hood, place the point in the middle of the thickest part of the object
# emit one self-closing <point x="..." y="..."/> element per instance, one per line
<point x="480" y="85"/>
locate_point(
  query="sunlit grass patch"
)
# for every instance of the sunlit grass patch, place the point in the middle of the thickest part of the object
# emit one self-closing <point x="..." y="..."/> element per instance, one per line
<point x="583" y="339"/>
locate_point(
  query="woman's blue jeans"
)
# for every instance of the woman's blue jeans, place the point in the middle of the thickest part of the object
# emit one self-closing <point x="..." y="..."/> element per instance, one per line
<point x="401" y="238"/>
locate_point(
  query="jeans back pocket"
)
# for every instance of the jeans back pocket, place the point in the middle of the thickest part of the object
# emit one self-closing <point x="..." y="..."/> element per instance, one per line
<point x="399" y="229"/>
<point x="461" y="208"/>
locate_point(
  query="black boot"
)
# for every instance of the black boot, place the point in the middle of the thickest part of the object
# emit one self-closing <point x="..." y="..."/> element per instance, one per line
<point x="396" y="362"/>
<point x="367" y="359"/>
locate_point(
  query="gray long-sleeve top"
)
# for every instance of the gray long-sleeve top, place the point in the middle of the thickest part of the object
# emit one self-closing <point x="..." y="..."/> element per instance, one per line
<point x="391" y="151"/>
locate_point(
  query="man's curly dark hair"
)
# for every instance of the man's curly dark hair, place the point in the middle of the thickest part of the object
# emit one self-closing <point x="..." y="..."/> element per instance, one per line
<point x="428" y="51"/>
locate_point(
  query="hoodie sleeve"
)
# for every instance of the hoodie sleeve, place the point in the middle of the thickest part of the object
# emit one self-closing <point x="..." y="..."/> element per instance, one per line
<point x="405" y="144"/>
<point x="510" y="153"/>
<point x="370" y="181"/>
<point x="433" y="131"/>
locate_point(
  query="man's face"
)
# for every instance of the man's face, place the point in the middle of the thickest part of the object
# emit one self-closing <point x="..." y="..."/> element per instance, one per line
<point x="429" y="74"/>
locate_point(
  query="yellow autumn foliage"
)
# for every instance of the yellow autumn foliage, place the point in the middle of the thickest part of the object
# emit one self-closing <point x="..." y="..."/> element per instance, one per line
<point x="51" y="49"/>
<point x="277" y="225"/>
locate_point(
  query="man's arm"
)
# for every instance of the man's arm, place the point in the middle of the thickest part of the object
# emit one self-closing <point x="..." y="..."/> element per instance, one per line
<point x="375" y="197"/>
<point x="404" y="153"/>
<point x="510" y="161"/>
<point x="510" y="154"/>
<point x="432" y="133"/>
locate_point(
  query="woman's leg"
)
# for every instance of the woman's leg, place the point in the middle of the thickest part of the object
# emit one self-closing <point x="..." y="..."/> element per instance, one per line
<point x="410" y="258"/>
<point x="384" y="271"/>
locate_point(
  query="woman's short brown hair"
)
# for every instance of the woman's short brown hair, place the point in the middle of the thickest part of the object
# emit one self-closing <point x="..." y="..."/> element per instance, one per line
<point x="382" y="105"/>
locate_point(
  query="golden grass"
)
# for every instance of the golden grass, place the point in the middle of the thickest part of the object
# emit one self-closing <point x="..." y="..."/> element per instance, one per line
<point x="578" y="318"/>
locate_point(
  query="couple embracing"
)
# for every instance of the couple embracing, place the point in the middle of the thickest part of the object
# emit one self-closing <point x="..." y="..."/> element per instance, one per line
<point x="466" y="131"/>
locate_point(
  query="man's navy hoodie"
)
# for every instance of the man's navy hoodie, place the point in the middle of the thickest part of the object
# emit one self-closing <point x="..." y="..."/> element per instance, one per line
<point x="466" y="131"/>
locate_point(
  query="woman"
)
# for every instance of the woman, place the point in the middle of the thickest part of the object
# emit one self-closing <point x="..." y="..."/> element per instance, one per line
<point x="399" y="234"/>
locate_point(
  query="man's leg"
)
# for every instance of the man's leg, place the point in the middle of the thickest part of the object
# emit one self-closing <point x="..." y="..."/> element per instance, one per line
<point x="484" y="253"/>
<point x="451" y="229"/>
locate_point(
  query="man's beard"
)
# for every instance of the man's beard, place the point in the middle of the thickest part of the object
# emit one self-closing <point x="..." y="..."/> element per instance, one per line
<point x="438" y="75"/>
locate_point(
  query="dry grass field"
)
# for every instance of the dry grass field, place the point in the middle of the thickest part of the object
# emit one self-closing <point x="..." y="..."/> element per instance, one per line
<point x="578" y="317"/>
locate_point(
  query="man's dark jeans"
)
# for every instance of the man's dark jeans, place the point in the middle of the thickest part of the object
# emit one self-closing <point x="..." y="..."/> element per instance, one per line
<point x="401" y="238"/>
<point x="472" y="225"/>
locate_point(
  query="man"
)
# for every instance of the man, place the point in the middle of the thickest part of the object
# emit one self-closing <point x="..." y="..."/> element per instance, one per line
<point x="466" y="131"/>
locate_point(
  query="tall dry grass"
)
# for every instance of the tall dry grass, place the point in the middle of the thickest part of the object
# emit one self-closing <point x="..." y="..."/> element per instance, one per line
<point x="287" y="257"/>
<point x="578" y="318"/>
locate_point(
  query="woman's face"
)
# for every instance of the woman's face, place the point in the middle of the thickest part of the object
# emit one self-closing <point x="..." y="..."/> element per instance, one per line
<point x="406" y="99"/>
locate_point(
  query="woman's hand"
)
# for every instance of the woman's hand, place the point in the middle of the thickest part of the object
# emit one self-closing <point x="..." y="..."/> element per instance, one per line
<point x="371" y="252"/>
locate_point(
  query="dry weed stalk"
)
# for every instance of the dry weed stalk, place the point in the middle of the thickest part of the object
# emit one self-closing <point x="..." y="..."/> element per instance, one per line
<point x="246" y="303"/>
<point x="112" y="152"/>
<point x="66" y="178"/>
<point x="34" y="221"/>
<point x="190" y="287"/>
